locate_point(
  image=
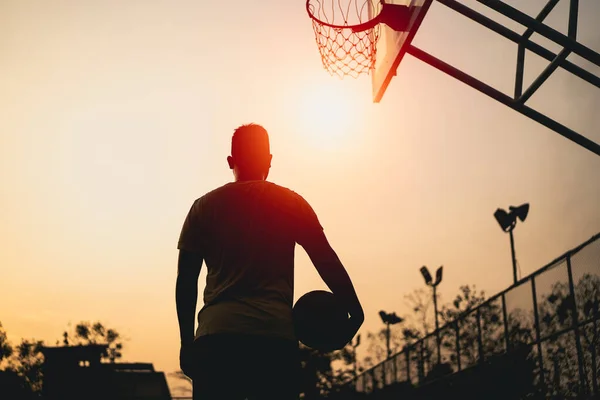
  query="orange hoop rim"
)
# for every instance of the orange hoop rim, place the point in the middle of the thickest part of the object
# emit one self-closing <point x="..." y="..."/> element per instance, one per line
<point x="355" y="28"/>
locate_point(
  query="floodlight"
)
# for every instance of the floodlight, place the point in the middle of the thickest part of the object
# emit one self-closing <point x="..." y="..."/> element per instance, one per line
<point x="390" y="318"/>
<point x="508" y="220"/>
<point x="438" y="275"/>
<point x="505" y="220"/>
<point x="520" y="211"/>
<point x="426" y="275"/>
<point x="383" y="316"/>
<point x="394" y="319"/>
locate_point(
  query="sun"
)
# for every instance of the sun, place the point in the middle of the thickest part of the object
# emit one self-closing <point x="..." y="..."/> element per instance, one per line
<point x="328" y="113"/>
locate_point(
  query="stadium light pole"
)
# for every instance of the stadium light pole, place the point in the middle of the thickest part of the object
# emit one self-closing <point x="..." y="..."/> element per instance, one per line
<point x="508" y="221"/>
<point x="430" y="282"/>
<point x="389" y="319"/>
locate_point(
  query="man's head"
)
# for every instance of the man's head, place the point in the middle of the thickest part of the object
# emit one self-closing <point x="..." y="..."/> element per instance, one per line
<point x="250" y="157"/>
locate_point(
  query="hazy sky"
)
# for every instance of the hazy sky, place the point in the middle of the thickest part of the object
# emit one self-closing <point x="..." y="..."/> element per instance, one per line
<point x="116" y="115"/>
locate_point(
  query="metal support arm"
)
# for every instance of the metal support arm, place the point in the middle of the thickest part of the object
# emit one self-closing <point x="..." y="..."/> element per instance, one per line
<point x="533" y="25"/>
<point x="504" y="99"/>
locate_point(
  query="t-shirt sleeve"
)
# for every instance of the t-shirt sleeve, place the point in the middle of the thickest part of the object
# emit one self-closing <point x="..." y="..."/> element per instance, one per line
<point x="193" y="232"/>
<point x="307" y="223"/>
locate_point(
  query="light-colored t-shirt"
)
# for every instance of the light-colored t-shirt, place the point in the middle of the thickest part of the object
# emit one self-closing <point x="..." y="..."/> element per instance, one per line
<point x="246" y="232"/>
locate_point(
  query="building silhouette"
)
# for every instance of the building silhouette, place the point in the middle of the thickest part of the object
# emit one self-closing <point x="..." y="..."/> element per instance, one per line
<point x="77" y="372"/>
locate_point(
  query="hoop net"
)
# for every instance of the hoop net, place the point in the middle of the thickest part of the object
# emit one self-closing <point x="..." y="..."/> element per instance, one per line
<point x="346" y="32"/>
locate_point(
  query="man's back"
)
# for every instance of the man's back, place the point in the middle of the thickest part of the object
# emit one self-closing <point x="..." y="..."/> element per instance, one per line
<point x="247" y="232"/>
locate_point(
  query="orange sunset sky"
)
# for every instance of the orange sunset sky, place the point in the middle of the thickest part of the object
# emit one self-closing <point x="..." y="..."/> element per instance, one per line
<point x="116" y="115"/>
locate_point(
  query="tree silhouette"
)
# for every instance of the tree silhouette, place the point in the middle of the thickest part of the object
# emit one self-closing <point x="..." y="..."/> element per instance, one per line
<point x="24" y="360"/>
<point x="86" y="333"/>
<point x="468" y="331"/>
<point x="419" y="321"/>
<point x="376" y="350"/>
<point x="28" y="363"/>
<point x="6" y="349"/>
<point x="492" y="328"/>
<point x="557" y="313"/>
<point x="467" y="299"/>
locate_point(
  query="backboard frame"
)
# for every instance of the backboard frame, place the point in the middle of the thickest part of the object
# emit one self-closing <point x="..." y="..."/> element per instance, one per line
<point x="382" y="74"/>
<point x="392" y="46"/>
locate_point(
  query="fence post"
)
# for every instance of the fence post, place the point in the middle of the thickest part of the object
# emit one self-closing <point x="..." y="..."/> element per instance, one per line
<point x="408" y="364"/>
<point x="479" y="339"/>
<point x="593" y="348"/>
<point x="505" y="316"/>
<point x="537" y="332"/>
<point x="582" y="377"/>
<point x="457" y="345"/>
<point x="395" y="369"/>
<point x="421" y="363"/>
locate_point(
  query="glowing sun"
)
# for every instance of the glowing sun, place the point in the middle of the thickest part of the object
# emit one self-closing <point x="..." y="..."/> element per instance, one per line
<point x="328" y="113"/>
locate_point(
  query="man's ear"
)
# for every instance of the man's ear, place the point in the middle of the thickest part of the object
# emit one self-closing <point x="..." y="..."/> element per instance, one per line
<point x="230" y="162"/>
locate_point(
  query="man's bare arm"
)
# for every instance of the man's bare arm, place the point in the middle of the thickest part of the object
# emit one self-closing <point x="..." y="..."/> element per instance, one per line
<point x="186" y="293"/>
<point x="334" y="275"/>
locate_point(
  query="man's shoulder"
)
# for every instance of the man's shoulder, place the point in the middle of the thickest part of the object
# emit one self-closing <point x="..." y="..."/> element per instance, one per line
<point x="214" y="193"/>
<point x="286" y="192"/>
<point x="278" y="193"/>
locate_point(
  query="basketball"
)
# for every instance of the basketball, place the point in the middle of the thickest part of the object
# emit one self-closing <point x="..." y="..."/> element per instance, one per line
<point x="320" y="321"/>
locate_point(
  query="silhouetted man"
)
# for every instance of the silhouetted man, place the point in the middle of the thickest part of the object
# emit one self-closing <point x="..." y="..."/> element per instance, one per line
<point x="246" y="231"/>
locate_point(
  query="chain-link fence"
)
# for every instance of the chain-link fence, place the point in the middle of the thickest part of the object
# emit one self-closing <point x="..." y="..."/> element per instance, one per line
<point x="540" y="336"/>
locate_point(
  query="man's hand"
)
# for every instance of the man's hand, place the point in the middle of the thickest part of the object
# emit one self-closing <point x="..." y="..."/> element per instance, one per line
<point x="186" y="359"/>
<point x="354" y="324"/>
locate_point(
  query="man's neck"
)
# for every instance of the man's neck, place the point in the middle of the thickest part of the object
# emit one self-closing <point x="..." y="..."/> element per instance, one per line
<point x="250" y="178"/>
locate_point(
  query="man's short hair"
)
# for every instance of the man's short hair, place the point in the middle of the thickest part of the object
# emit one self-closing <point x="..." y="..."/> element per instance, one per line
<point x="250" y="143"/>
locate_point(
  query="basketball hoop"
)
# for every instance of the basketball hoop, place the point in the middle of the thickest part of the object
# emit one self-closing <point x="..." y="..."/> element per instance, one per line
<point x="347" y="32"/>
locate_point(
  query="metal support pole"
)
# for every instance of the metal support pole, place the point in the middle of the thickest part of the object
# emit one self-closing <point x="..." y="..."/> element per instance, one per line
<point x="421" y="363"/>
<point x="479" y="338"/>
<point x="593" y="344"/>
<point x="505" y="319"/>
<point x="457" y="345"/>
<point x="520" y="71"/>
<point x="521" y="40"/>
<point x="437" y="326"/>
<point x="573" y="17"/>
<point x="536" y="319"/>
<point x="575" y="322"/>
<point x="408" y="364"/>
<point x="541" y="17"/>
<point x="562" y="56"/>
<point x="387" y="339"/>
<point x="504" y="99"/>
<point x="513" y="257"/>
<point x="521" y="49"/>
<point x="535" y="85"/>
<point x="594" y="371"/>
<point x="544" y="30"/>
